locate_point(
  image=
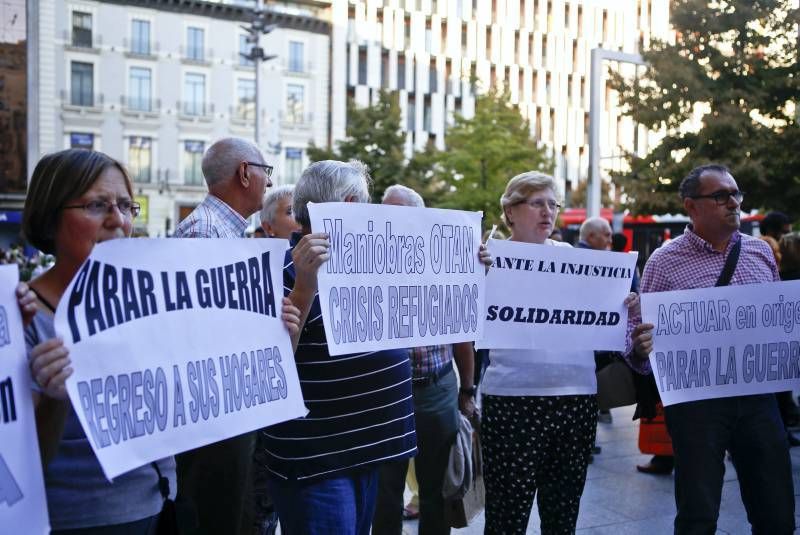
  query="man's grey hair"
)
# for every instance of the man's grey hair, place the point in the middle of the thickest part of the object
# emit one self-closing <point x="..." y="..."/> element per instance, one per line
<point x="409" y="196"/>
<point x="330" y="181"/>
<point x="272" y="199"/>
<point x="690" y="185"/>
<point x="222" y="158"/>
<point x="592" y="224"/>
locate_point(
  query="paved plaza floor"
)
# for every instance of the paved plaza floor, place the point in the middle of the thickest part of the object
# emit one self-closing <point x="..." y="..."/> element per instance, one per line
<point x="620" y="501"/>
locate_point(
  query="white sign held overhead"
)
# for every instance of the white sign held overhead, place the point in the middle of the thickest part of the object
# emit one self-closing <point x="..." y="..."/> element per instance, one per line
<point x="177" y="343"/>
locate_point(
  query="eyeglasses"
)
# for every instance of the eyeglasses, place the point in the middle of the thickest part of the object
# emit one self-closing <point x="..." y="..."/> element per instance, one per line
<point x="100" y="208"/>
<point x="721" y="197"/>
<point x="267" y="168"/>
<point x="540" y="204"/>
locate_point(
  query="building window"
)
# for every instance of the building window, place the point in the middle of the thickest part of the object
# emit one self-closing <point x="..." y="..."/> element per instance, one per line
<point x="192" y="160"/>
<point x="245" y="50"/>
<point x="295" y="103"/>
<point x="362" y="65"/>
<point x="140" y="37"/>
<point x="426" y="116"/>
<point x="433" y="79"/>
<point x="195" y="38"/>
<point x="82" y="93"/>
<point x="81" y="29"/>
<point x="294" y="165"/>
<point x="401" y="72"/>
<point x="194" y="92"/>
<point x="411" y="116"/>
<point x="139" y="89"/>
<point x="79" y="140"/>
<point x="296" y="55"/>
<point x="246" y="99"/>
<point x="140" y="158"/>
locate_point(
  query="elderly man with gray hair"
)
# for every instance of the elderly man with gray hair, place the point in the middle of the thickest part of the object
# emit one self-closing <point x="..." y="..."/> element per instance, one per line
<point x="237" y="178"/>
<point x="214" y="480"/>
<point x="276" y="215"/>
<point x="324" y="467"/>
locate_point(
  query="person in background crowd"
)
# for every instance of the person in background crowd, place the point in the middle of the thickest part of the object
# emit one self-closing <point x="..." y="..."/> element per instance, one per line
<point x="773" y="227"/>
<point x="789" y="271"/>
<point x="259" y="232"/>
<point x="276" y="215"/>
<point x="619" y="242"/>
<point x="749" y="427"/>
<point x="324" y="467"/>
<point x="437" y="400"/>
<point x="77" y="198"/>
<point x="539" y="413"/>
<point x="556" y="235"/>
<point x="214" y="480"/>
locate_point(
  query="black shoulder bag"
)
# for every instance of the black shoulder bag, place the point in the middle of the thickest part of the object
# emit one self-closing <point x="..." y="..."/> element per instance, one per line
<point x="167" y="518"/>
<point x="646" y="390"/>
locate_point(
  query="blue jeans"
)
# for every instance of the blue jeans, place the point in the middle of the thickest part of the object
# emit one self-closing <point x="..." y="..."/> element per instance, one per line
<point x="343" y="504"/>
<point x="750" y="428"/>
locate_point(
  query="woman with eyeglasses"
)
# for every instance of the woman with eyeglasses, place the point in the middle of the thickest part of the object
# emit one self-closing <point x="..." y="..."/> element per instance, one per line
<point x="78" y="198"/>
<point x="539" y="407"/>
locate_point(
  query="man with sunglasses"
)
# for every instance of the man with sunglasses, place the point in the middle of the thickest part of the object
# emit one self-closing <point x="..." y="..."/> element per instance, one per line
<point x="749" y="427"/>
<point x="214" y="481"/>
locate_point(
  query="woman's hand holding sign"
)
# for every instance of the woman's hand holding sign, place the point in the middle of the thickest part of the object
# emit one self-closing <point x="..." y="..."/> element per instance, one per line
<point x="290" y="315"/>
<point x="27" y="303"/>
<point x="50" y="367"/>
<point x="311" y="252"/>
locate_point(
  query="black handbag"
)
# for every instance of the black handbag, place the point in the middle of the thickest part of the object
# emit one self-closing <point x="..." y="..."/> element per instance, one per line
<point x="167" y="518"/>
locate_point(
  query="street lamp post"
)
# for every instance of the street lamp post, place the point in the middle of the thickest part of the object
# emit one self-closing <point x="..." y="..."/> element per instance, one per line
<point x="595" y="108"/>
<point x="257" y="27"/>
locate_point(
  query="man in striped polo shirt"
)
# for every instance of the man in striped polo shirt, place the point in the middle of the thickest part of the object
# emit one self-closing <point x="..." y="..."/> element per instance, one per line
<point x="324" y="467"/>
<point x="749" y="427"/>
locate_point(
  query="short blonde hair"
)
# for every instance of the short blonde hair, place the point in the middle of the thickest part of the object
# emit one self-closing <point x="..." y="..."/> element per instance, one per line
<point x="790" y="252"/>
<point x="523" y="186"/>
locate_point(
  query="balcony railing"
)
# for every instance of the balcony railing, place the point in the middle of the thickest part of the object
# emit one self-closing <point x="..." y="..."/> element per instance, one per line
<point x="140" y="48"/>
<point x="87" y="40"/>
<point x="140" y="105"/>
<point x="189" y="109"/>
<point x="243" y="112"/>
<point x="198" y="55"/>
<point x="295" y="120"/>
<point x="297" y="67"/>
<point x="88" y="103"/>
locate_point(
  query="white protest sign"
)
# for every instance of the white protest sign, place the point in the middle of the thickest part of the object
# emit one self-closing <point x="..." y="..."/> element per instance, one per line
<point x="398" y="276"/>
<point x="177" y="343"/>
<point x="22" y="497"/>
<point x="556" y="298"/>
<point x="725" y="341"/>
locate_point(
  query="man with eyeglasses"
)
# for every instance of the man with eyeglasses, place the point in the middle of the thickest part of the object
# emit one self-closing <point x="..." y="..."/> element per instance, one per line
<point x="749" y="427"/>
<point x="213" y="481"/>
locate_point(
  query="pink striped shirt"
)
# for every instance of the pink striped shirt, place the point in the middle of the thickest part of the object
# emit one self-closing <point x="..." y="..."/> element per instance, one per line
<point x="689" y="262"/>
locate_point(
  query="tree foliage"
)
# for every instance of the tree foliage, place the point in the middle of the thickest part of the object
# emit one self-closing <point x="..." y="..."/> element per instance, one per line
<point x="483" y="153"/>
<point x="374" y="136"/>
<point x="735" y="62"/>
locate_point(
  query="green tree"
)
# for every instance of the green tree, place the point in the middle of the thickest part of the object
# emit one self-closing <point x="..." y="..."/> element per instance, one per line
<point x="735" y="62"/>
<point x="483" y="153"/>
<point x="374" y="136"/>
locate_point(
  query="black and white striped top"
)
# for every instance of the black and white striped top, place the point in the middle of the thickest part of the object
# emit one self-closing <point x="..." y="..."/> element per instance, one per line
<point x="360" y="406"/>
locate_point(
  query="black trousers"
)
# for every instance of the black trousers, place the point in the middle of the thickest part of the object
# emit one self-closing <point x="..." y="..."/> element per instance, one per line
<point x="536" y="445"/>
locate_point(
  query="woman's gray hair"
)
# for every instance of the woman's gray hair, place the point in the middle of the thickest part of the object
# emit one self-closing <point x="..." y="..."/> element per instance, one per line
<point x="272" y="199"/>
<point x="522" y="186"/>
<point x="222" y="158"/>
<point x="411" y="197"/>
<point x="330" y="181"/>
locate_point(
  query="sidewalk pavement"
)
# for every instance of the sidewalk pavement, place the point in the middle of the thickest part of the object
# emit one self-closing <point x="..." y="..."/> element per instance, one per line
<point x="618" y="500"/>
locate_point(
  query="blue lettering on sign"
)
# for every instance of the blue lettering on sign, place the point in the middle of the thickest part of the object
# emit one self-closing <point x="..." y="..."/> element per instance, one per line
<point x="10" y="492"/>
<point x="5" y="336"/>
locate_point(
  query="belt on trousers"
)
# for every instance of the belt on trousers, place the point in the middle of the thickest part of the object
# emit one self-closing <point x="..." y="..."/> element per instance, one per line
<point x="434" y="377"/>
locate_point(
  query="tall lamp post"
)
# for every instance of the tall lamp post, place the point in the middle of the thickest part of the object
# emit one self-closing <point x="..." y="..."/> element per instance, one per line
<point x="599" y="55"/>
<point x="258" y="27"/>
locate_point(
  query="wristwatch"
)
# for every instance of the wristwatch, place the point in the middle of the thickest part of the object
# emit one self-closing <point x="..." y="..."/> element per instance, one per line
<point x="468" y="391"/>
